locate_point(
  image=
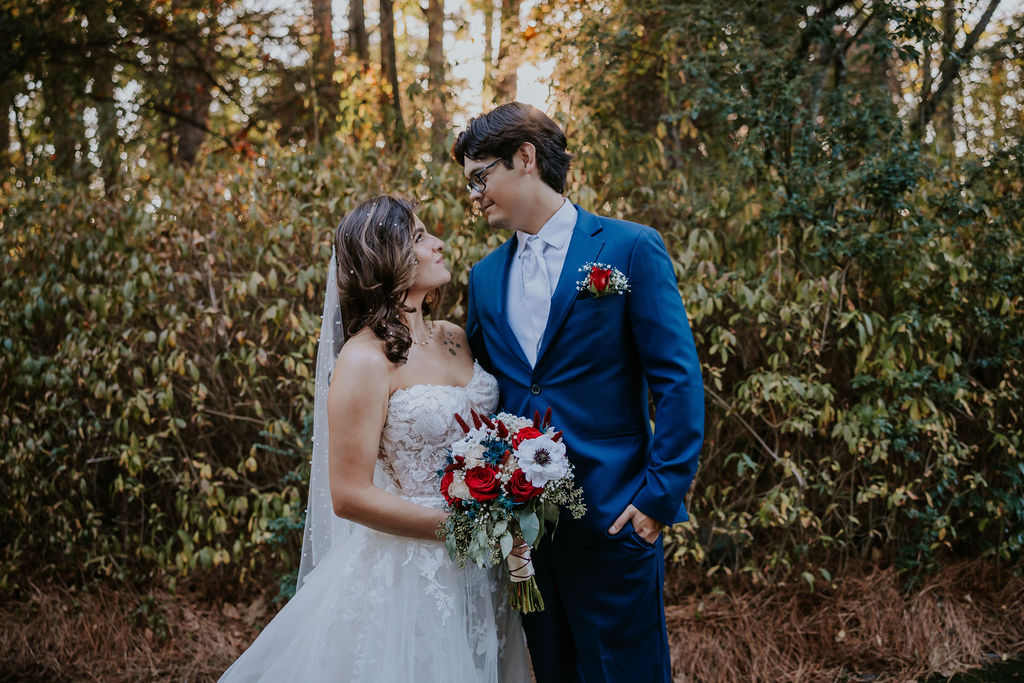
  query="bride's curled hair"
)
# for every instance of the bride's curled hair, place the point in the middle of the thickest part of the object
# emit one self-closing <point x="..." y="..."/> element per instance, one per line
<point x="376" y="268"/>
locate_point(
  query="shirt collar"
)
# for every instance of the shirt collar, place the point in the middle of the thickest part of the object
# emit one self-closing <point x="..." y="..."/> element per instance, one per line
<point x="556" y="231"/>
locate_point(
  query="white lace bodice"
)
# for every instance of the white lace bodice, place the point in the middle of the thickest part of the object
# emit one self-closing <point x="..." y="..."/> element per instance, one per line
<point x="421" y="425"/>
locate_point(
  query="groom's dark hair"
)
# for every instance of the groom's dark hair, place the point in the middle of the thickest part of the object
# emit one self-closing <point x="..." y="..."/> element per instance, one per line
<point x="503" y="130"/>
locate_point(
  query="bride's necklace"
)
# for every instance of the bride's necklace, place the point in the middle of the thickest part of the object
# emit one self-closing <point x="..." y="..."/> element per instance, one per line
<point x="429" y="336"/>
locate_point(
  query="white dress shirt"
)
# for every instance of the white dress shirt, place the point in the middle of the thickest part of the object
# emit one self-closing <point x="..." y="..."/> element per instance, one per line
<point x="527" y="313"/>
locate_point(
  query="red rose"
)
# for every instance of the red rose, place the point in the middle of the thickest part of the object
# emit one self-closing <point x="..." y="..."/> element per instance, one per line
<point x="525" y="434"/>
<point x="482" y="483"/>
<point x="520" y="489"/>
<point x="599" y="278"/>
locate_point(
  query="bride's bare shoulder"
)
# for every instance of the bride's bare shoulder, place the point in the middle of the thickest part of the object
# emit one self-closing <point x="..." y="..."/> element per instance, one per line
<point x="363" y="363"/>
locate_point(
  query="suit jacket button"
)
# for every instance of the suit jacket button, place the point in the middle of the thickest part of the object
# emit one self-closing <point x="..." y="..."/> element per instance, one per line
<point x="535" y="389"/>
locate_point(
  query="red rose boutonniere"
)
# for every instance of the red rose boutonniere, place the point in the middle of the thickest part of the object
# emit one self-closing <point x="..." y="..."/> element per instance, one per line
<point x="602" y="279"/>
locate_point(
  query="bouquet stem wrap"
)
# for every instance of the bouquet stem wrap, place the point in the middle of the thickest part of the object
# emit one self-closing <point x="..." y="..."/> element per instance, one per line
<point x="524" y="593"/>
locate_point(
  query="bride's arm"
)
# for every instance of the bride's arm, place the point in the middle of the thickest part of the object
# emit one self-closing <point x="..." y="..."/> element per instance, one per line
<point x="356" y="410"/>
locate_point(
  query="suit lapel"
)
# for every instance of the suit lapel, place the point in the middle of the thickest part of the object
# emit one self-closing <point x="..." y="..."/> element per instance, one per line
<point x="584" y="246"/>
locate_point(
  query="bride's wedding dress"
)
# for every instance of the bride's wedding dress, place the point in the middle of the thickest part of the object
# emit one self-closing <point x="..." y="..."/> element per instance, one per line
<point x="389" y="609"/>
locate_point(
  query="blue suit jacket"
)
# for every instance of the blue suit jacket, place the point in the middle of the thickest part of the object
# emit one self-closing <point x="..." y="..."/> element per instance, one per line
<point x="597" y="359"/>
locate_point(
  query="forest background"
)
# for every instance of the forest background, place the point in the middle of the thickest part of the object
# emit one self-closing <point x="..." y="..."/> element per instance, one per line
<point x="840" y="185"/>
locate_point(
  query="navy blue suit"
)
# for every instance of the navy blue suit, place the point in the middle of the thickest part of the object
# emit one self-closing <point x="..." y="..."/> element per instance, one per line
<point x="604" y="618"/>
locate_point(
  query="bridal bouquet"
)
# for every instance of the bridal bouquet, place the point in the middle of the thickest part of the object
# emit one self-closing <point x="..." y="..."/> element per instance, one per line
<point x="505" y="478"/>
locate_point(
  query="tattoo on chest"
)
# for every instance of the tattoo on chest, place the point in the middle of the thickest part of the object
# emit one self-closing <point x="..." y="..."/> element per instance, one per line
<point x="451" y="343"/>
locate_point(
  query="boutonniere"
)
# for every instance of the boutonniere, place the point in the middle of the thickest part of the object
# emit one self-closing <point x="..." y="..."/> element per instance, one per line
<point x="601" y="280"/>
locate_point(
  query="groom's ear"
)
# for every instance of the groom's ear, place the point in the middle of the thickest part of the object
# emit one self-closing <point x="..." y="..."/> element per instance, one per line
<point x="527" y="154"/>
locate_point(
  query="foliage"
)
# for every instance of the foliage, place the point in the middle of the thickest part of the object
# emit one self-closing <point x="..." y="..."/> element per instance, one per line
<point x="856" y="299"/>
<point x="156" y="355"/>
<point x="855" y="294"/>
<point x="148" y="74"/>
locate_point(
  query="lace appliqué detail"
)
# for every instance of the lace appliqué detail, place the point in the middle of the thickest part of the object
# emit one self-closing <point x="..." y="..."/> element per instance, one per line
<point x="421" y="425"/>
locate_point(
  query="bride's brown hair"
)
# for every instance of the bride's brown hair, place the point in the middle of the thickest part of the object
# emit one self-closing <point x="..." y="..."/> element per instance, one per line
<point x="376" y="267"/>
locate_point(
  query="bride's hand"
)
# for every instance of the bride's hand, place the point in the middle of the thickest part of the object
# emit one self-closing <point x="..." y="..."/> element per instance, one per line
<point x="520" y="548"/>
<point x="520" y="564"/>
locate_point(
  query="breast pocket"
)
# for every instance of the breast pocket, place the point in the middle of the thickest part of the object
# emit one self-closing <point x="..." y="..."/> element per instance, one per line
<point x="610" y="305"/>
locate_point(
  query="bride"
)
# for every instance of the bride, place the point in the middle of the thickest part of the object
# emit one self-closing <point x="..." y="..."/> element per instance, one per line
<point x="378" y="599"/>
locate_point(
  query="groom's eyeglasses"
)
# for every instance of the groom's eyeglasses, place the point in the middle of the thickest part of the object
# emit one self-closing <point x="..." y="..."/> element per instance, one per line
<point x="478" y="181"/>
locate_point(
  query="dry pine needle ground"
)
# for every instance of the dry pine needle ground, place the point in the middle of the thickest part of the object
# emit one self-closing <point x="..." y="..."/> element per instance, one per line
<point x="861" y="626"/>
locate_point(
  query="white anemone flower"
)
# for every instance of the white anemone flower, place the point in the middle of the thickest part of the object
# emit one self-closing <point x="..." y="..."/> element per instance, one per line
<point x="542" y="460"/>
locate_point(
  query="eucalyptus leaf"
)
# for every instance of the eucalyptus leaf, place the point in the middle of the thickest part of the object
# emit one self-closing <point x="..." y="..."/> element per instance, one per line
<point x="449" y="544"/>
<point x="506" y="544"/>
<point x="529" y="525"/>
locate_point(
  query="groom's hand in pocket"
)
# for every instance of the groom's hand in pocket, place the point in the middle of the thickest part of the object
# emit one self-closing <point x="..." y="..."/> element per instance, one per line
<point x="646" y="527"/>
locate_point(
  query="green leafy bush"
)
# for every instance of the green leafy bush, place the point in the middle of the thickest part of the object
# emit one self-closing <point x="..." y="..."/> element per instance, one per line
<point x="156" y="361"/>
<point x="856" y="295"/>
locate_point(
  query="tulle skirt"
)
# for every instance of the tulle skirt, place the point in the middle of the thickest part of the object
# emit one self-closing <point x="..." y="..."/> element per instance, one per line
<point x="388" y="609"/>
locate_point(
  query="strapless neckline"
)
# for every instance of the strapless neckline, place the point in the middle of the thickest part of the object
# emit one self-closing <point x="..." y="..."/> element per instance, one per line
<point x="412" y="388"/>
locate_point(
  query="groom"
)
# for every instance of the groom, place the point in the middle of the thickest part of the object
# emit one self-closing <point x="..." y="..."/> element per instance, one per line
<point x="592" y="359"/>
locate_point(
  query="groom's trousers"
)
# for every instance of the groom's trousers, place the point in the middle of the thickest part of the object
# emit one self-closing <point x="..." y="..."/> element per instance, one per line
<point x="604" y="615"/>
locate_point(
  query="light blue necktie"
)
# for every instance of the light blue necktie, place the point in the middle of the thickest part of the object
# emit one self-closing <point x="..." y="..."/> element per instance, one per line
<point x="536" y="294"/>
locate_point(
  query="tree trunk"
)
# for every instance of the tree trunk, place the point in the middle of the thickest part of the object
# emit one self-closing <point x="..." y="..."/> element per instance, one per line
<point x="326" y="94"/>
<point x="63" y="112"/>
<point x="62" y="119"/>
<point x="192" y="105"/>
<point x="488" y="89"/>
<point x="108" y="138"/>
<point x="358" y="40"/>
<point x="389" y="68"/>
<point x="926" y="71"/>
<point x="949" y="71"/>
<point x="436" y="66"/>
<point x="101" y="61"/>
<point x="6" y="100"/>
<point x="323" y="46"/>
<point x="507" y="85"/>
<point x="945" y="128"/>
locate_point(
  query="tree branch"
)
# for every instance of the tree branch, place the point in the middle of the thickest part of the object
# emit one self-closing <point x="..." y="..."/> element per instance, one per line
<point x="151" y="104"/>
<point x="757" y="437"/>
<point x="949" y="72"/>
<point x="810" y="32"/>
